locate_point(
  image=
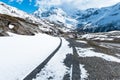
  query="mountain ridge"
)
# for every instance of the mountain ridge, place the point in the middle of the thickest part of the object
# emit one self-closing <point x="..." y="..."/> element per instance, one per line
<point x="87" y="20"/>
<point x="24" y="23"/>
<point x="56" y="15"/>
<point x="54" y="20"/>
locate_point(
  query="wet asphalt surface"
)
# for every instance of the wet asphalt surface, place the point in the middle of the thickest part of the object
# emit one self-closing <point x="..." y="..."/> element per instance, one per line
<point x="97" y="68"/>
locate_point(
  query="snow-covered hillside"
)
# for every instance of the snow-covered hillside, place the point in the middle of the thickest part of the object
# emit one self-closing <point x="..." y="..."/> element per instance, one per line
<point x="25" y="23"/>
<point x="12" y="11"/>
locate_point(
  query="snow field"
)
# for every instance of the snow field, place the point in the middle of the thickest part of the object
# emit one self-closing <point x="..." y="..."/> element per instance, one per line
<point x="19" y="55"/>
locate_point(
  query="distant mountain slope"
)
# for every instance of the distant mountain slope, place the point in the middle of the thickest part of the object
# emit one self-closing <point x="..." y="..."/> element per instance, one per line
<point x="100" y="20"/>
<point x="56" y="21"/>
<point x="90" y="20"/>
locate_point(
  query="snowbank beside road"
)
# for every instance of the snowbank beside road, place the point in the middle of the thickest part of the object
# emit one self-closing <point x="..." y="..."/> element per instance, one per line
<point x="19" y="55"/>
<point x="55" y="69"/>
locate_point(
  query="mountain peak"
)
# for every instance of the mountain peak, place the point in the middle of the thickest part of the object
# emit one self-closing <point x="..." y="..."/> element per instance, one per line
<point x="92" y="18"/>
<point x="57" y="15"/>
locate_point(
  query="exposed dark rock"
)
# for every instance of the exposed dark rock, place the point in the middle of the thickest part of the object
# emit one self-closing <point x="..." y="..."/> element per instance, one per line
<point x="21" y="26"/>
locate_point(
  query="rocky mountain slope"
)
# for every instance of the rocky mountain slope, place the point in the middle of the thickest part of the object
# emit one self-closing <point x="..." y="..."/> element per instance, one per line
<point x="55" y="20"/>
<point x="16" y="25"/>
<point x="17" y="21"/>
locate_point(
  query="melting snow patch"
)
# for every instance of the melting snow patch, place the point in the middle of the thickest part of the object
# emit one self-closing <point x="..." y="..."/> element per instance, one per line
<point x="13" y="34"/>
<point x="117" y="55"/>
<point x="102" y="39"/>
<point x="87" y="52"/>
<point x="90" y="36"/>
<point x="84" y="75"/>
<point x="81" y="41"/>
<point x="110" y="45"/>
<point x="71" y="72"/>
<point x="11" y="26"/>
<point x="96" y="37"/>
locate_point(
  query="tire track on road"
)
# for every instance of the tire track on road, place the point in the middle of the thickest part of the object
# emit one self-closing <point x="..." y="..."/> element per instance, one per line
<point x="74" y="61"/>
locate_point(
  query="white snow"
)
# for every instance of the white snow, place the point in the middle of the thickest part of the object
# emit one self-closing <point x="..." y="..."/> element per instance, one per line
<point x="55" y="67"/>
<point x="9" y="10"/>
<point x="96" y="37"/>
<point x="19" y="55"/>
<point x="12" y="34"/>
<point x="81" y="41"/>
<point x="109" y="36"/>
<point x="11" y="26"/>
<point x="110" y="45"/>
<point x="57" y="15"/>
<point x="89" y="36"/>
<point x="87" y="52"/>
<point x="117" y="55"/>
<point x="70" y="72"/>
<point x="84" y="75"/>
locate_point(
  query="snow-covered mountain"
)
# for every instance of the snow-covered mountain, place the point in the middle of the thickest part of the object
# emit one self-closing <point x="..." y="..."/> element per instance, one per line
<point x="17" y="21"/>
<point x="54" y="20"/>
<point x="100" y="20"/>
<point x="12" y="11"/>
<point x="90" y="20"/>
<point x="57" y="15"/>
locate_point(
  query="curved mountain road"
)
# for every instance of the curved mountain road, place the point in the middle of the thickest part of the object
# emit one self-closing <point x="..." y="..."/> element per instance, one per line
<point x="95" y="68"/>
<point x="33" y="74"/>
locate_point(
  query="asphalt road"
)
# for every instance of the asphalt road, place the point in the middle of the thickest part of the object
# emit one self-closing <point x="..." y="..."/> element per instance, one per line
<point x="96" y="67"/>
